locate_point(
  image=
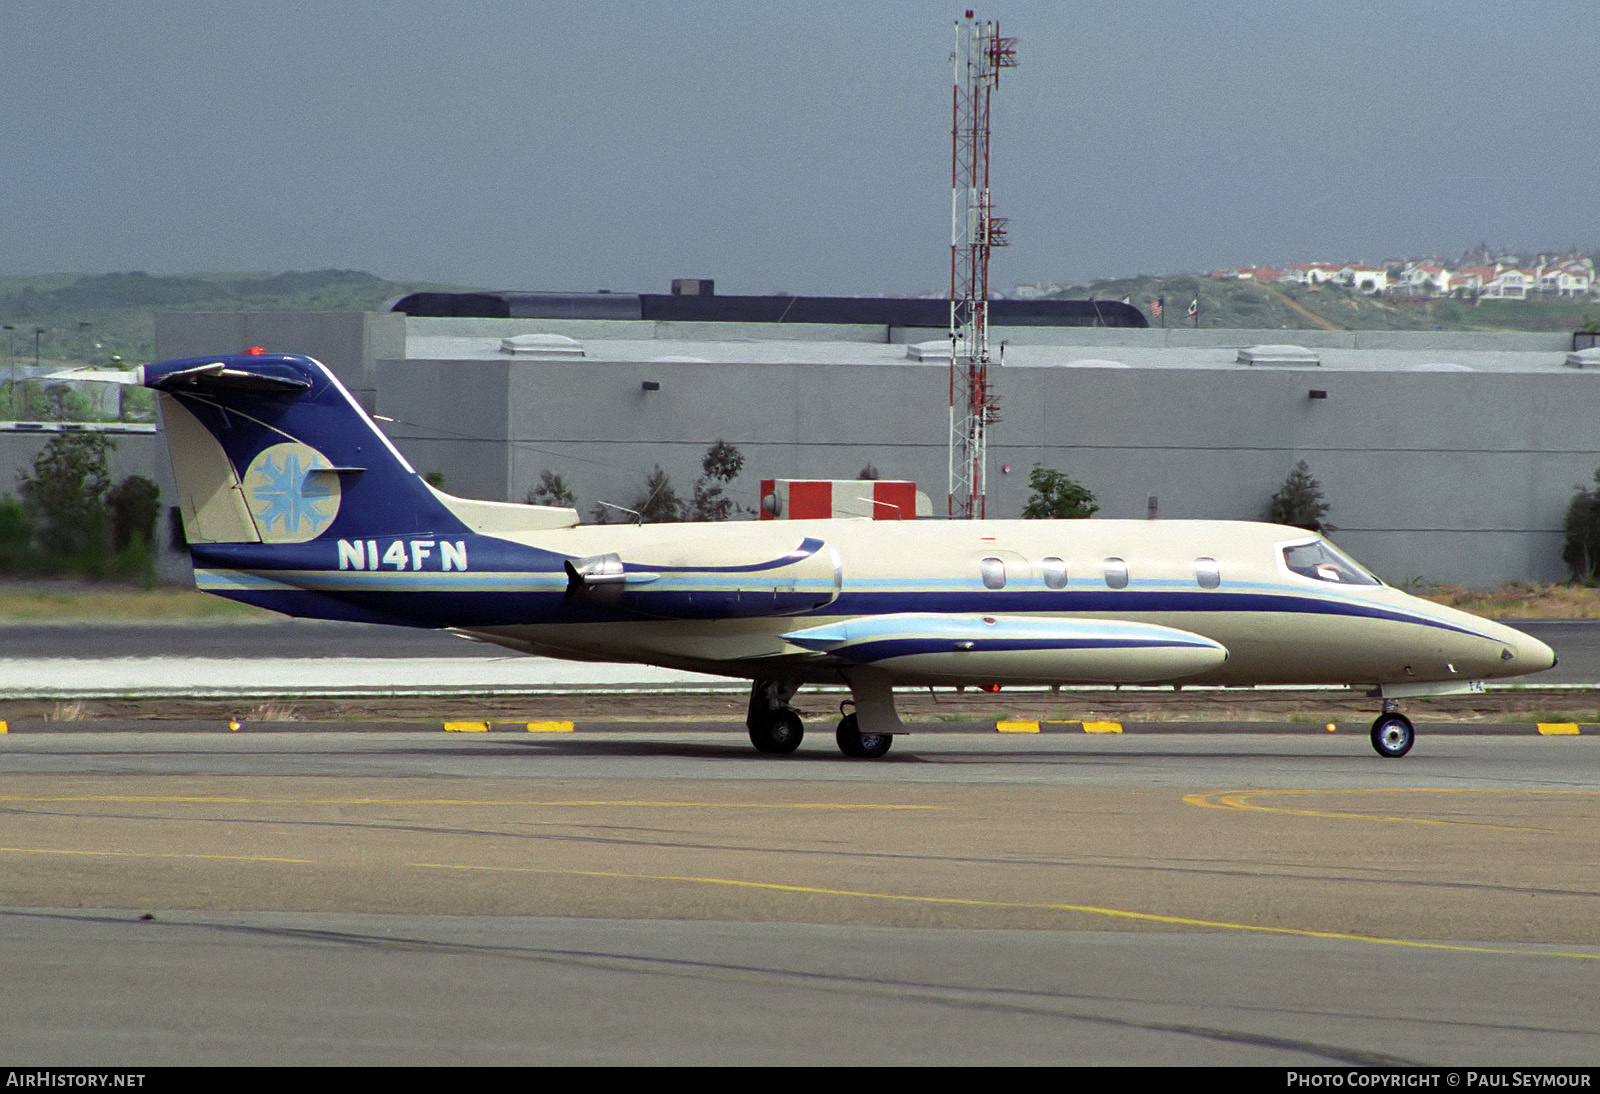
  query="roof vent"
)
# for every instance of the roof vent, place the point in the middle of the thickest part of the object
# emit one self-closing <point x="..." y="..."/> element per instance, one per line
<point x="1584" y="358"/>
<point x="937" y="350"/>
<point x="1278" y="355"/>
<point x="541" y="345"/>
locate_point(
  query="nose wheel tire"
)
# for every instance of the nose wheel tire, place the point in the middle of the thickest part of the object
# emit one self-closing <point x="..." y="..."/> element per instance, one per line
<point x="1393" y="735"/>
<point x="779" y="733"/>
<point x="858" y="745"/>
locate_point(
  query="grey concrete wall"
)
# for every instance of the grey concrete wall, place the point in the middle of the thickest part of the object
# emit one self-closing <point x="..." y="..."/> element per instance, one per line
<point x="453" y="418"/>
<point x="1447" y="476"/>
<point x="349" y="343"/>
<point x="1443" y="476"/>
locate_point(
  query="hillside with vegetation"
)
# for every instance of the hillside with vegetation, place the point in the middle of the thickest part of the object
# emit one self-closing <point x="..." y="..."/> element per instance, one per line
<point x="86" y="319"/>
<point x="1236" y="303"/>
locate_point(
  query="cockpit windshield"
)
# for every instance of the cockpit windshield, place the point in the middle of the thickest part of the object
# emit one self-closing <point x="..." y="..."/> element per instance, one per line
<point x="1321" y="561"/>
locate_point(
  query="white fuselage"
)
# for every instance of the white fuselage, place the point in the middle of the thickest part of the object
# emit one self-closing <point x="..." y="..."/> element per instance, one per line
<point x="1226" y="581"/>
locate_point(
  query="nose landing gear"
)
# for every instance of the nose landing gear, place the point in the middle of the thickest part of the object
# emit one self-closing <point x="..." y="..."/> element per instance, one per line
<point x="1392" y="732"/>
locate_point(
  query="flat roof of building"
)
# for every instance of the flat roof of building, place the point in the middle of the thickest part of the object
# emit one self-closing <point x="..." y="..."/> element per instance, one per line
<point x="643" y="342"/>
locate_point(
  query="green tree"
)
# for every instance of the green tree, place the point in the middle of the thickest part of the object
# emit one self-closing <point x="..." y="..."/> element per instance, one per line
<point x="720" y="466"/>
<point x="552" y="490"/>
<point x="1299" y="502"/>
<point x="1057" y="496"/>
<point x="65" y="495"/>
<point x="658" y="503"/>
<point x="1581" y="548"/>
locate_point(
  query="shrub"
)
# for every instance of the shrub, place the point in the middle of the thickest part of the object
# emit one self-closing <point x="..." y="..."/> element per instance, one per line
<point x="65" y="496"/>
<point x="16" y="538"/>
<point x="551" y="490"/>
<point x="1299" y="503"/>
<point x="1581" y="548"/>
<point x="659" y="502"/>
<point x="1057" y="497"/>
<point x="135" y="504"/>
<point x="720" y="466"/>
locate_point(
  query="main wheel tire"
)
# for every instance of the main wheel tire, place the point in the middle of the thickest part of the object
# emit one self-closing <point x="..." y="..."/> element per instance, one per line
<point x="780" y="733"/>
<point x="858" y="745"/>
<point x="1393" y="735"/>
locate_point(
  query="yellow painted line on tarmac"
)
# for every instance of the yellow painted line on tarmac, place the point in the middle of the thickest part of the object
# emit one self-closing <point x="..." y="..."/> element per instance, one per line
<point x="4" y="728"/>
<point x="152" y="854"/>
<point x="466" y="727"/>
<point x="550" y="727"/>
<point x="1558" y="729"/>
<point x="1102" y="727"/>
<point x="968" y="902"/>
<point x="1241" y="800"/>
<point x="152" y="799"/>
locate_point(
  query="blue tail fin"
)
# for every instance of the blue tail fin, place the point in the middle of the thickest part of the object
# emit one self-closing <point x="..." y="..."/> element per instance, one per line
<point x="271" y="448"/>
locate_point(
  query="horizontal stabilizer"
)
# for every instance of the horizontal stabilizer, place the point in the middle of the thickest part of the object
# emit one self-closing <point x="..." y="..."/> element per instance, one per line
<point x="1014" y="649"/>
<point x="267" y="378"/>
<point x="131" y="376"/>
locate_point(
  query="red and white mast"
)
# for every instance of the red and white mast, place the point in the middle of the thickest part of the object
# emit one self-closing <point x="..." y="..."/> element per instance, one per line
<point x="980" y="54"/>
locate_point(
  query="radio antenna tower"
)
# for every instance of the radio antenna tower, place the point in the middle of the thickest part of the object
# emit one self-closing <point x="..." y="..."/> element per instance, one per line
<point x="980" y="54"/>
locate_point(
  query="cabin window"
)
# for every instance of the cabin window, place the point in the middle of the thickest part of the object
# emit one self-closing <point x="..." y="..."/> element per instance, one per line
<point x="1207" y="573"/>
<point x="1320" y="561"/>
<point x="994" y="573"/>
<point x="1055" y="573"/>
<point x="1116" y="573"/>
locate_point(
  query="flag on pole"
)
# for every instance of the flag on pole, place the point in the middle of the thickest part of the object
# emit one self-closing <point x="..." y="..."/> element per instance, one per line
<point x="1156" y="307"/>
<point x="1194" y="307"/>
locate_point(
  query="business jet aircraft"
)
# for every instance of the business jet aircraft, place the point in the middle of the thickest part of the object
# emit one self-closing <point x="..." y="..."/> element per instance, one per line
<point x="293" y="499"/>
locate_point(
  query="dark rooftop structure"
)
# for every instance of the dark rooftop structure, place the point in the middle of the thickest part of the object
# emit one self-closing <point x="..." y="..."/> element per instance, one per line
<point x="695" y="301"/>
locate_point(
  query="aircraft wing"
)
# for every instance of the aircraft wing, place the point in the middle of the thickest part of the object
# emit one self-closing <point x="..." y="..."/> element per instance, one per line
<point x="1018" y="649"/>
<point x="100" y="375"/>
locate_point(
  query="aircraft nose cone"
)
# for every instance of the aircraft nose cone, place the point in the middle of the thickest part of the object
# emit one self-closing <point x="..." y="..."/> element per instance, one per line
<point x="1533" y="655"/>
<point x="1523" y="653"/>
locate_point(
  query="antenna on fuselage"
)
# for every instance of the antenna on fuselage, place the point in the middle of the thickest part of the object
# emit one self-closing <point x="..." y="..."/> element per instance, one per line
<point x="638" y="518"/>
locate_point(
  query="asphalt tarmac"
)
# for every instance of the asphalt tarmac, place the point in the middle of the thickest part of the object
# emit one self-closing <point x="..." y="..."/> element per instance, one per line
<point x="671" y="898"/>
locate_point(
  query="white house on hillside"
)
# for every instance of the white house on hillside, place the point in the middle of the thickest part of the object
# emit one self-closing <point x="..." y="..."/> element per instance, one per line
<point x="1367" y="279"/>
<point x="1509" y="283"/>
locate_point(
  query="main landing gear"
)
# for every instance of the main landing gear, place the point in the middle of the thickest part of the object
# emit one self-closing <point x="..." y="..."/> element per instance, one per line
<point x="1392" y="732"/>
<point x="775" y="726"/>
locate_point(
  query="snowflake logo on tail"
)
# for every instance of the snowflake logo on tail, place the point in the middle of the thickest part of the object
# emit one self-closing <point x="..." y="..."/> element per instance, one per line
<point x="290" y="504"/>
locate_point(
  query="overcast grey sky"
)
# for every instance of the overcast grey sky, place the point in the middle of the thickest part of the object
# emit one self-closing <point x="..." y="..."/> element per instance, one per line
<point x="782" y="147"/>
